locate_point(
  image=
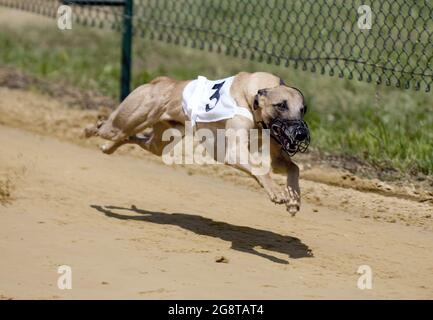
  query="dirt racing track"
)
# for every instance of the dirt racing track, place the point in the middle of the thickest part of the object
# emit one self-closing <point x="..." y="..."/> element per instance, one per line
<point x="131" y="227"/>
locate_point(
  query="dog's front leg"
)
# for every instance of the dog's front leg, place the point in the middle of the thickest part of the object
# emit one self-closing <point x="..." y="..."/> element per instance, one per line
<point x="274" y="191"/>
<point x="292" y="188"/>
<point x="236" y="156"/>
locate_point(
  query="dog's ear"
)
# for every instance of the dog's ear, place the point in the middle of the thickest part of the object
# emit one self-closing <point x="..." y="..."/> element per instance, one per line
<point x="256" y="102"/>
<point x="261" y="92"/>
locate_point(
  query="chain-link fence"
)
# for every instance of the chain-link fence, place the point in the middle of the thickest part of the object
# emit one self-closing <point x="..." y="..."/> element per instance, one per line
<point x="326" y="36"/>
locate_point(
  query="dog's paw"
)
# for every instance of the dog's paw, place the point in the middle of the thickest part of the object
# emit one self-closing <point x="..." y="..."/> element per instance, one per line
<point x="107" y="148"/>
<point x="90" y="131"/>
<point x="104" y="147"/>
<point x="278" y="198"/>
<point x="293" y="207"/>
<point x="293" y="204"/>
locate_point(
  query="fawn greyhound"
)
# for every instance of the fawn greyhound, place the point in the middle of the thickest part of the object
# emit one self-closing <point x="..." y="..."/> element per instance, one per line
<point x="245" y="101"/>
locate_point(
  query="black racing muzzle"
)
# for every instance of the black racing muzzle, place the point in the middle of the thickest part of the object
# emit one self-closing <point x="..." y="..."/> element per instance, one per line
<point x="292" y="135"/>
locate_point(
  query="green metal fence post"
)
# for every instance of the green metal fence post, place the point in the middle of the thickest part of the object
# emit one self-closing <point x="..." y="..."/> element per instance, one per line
<point x="125" y="81"/>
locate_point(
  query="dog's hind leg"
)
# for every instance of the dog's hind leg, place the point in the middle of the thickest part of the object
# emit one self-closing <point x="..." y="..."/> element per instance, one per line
<point x="108" y="147"/>
<point x="92" y="129"/>
<point x="147" y="140"/>
<point x="152" y="141"/>
<point x="111" y="146"/>
<point x="118" y="131"/>
<point x="142" y="109"/>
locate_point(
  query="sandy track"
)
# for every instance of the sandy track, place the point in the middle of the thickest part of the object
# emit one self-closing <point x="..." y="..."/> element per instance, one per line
<point x="72" y="205"/>
<point x="131" y="227"/>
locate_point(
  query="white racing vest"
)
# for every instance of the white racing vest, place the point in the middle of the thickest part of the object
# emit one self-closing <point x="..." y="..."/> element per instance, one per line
<point x="210" y="100"/>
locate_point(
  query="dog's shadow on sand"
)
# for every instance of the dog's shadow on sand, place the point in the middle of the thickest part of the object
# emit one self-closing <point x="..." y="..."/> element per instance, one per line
<point x="242" y="238"/>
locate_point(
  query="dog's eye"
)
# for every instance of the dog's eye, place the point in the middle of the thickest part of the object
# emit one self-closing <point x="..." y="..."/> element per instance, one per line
<point x="304" y="110"/>
<point x="281" y="106"/>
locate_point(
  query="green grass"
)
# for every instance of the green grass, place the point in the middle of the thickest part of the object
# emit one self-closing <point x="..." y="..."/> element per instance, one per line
<point x="391" y="131"/>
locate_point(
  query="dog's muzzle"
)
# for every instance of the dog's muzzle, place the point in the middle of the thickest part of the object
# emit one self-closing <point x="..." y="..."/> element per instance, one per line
<point x="292" y="135"/>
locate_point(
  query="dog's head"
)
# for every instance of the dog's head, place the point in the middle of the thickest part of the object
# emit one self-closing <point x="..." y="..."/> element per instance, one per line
<point x="282" y="111"/>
